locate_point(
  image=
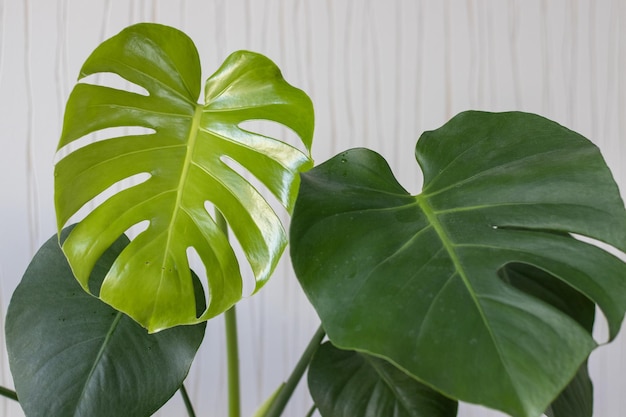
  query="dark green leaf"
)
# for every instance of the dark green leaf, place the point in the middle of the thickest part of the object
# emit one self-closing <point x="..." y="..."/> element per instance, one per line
<point x="415" y="278"/>
<point x="72" y="355"/>
<point x="351" y="384"/>
<point x="576" y="400"/>
<point x="188" y="156"/>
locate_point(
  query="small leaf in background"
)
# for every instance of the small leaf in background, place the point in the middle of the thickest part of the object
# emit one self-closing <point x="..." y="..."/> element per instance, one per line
<point x="188" y="155"/>
<point x="350" y="384"/>
<point x="72" y="355"/>
<point x="416" y="279"/>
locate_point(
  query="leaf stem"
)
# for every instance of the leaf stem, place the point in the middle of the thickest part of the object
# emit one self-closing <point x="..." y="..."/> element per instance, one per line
<point x="232" y="344"/>
<point x="8" y="393"/>
<point x="187" y="401"/>
<point x="311" y="411"/>
<point x="232" y="362"/>
<point x="285" y="394"/>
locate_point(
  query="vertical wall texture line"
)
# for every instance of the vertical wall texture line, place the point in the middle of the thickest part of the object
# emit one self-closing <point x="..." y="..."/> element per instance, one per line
<point x="2" y="37"/>
<point x="621" y="93"/>
<point x="146" y="10"/>
<point x="297" y="42"/>
<point x="106" y="16"/>
<point x="376" y="73"/>
<point x="61" y="66"/>
<point x="619" y="170"/>
<point x="365" y="76"/>
<point x="282" y="33"/>
<point x="183" y="14"/>
<point x="545" y="54"/>
<point x="593" y="93"/>
<point x="397" y="100"/>
<point x="447" y="52"/>
<point x="480" y="47"/>
<point x="247" y="13"/>
<point x="513" y="52"/>
<point x="473" y="59"/>
<point x="308" y="47"/>
<point x="5" y="377"/>
<point x="347" y="73"/>
<point x="265" y="25"/>
<point x="220" y="30"/>
<point x="573" y="63"/>
<point x="491" y="59"/>
<point x="330" y="62"/>
<point x="611" y="70"/>
<point x="419" y="52"/>
<point x="258" y="331"/>
<point x="7" y="380"/>
<point x="483" y="61"/>
<point x="31" y="174"/>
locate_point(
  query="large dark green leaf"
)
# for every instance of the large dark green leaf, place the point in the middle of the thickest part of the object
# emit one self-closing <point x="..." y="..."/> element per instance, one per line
<point x="415" y="278"/>
<point x="188" y="157"/>
<point x="72" y="355"/>
<point x="351" y="384"/>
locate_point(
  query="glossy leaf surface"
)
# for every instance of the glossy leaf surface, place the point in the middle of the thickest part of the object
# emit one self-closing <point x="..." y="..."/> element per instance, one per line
<point x="72" y="355"/>
<point x="351" y="384"/>
<point x="415" y="279"/>
<point x="188" y="155"/>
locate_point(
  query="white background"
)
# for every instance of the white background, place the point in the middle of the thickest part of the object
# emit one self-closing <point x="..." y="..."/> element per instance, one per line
<point x="379" y="73"/>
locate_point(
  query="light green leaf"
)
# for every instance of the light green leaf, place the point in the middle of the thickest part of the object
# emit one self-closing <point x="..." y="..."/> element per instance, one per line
<point x="72" y="355"/>
<point x="351" y="384"/>
<point x="187" y="159"/>
<point x="415" y="279"/>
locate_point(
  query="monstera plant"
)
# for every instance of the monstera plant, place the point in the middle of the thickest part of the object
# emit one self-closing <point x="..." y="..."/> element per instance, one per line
<point x="482" y="288"/>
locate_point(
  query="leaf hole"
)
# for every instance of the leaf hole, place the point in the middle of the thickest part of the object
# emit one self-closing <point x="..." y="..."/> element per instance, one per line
<point x="267" y="195"/>
<point x="136" y="229"/>
<point x="274" y="130"/>
<point x="249" y="281"/>
<point x="200" y="281"/>
<point x="113" y="80"/>
<point x="103" y="196"/>
<point x="101" y="135"/>
<point x="247" y="276"/>
<point x="599" y="244"/>
<point x="551" y="290"/>
<point x="601" y="328"/>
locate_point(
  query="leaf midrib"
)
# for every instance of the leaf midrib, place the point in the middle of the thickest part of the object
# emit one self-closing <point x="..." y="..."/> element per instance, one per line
<point x="187" y="162"/>
<point x="105" y="344"/>
<point x="388" y="382"/>
<point x="449" y="247"/>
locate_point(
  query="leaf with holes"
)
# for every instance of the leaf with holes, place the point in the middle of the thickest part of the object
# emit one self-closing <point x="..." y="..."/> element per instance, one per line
<point x="73" y="355"/>
<point x="418" y="279"/>
<point x="345" y="383"/>
<point x="187" y="157"/>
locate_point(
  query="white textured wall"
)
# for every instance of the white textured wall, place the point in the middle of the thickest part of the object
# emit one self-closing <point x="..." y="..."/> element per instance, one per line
<point x="379" y="72"/>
